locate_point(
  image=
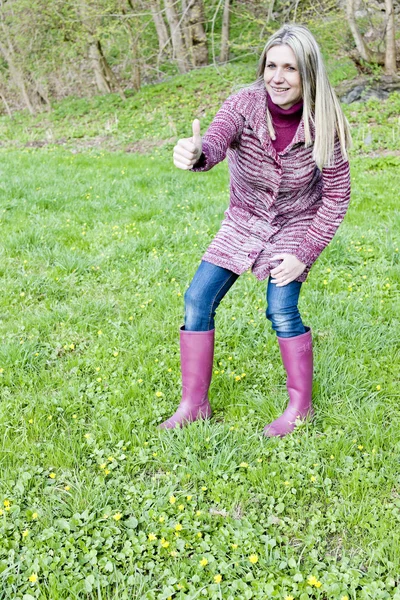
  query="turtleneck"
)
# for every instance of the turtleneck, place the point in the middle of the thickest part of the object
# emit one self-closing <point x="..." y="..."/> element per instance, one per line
<point x="285" y="123"/>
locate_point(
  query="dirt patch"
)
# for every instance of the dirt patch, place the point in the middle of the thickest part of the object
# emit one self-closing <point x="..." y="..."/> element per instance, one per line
<point x="106" y="142"/>
<point x="145" y="146"/>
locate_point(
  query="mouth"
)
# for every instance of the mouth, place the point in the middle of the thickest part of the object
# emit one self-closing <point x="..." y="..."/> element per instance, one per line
<point x="280" y="90"/>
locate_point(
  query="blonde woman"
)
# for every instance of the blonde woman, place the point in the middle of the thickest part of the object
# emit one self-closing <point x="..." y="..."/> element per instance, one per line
<point x="286" y="140"/>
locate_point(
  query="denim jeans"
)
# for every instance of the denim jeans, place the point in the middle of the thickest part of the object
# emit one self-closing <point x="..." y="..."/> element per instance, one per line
<point x="210" y="284"/>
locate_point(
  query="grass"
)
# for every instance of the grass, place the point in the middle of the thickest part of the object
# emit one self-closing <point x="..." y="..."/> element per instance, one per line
<point x="97" y="251"/>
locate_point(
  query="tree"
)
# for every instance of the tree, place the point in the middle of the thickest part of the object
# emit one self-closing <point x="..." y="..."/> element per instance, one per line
<point x="178" y="44"/>
<point x="224" y="52"/>
<point x="368" y="54"/>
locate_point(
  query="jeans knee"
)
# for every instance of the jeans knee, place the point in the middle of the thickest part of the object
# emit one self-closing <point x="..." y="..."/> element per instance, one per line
<point x="286" y="323"/>
<point x="196" y="311"/>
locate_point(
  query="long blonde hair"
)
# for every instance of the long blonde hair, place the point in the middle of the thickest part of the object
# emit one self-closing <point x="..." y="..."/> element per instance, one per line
<point x="320" y="104"/>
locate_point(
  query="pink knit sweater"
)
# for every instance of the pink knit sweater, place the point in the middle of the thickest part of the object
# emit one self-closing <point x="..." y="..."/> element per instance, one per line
<point x="280" y="202"/>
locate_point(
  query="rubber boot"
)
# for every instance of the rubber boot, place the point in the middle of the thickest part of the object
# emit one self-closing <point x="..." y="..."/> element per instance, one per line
<point x="197" y="354"/>
<point x="297" y="358"/>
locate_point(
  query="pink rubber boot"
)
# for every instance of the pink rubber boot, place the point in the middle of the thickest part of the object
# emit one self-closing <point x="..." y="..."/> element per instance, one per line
<point x="197" y="354"/>
<point x="297" y="358"/>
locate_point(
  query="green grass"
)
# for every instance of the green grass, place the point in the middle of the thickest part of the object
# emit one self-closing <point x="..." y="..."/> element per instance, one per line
<point x="97" y="251"/>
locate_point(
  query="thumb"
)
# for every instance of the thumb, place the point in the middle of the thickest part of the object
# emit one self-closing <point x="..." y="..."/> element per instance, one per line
<point x="196" y="132"/>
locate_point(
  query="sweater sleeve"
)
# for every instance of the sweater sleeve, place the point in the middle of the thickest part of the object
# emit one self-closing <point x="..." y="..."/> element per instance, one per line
<point x="225" y="128"/>
<point x="335" y="201"/>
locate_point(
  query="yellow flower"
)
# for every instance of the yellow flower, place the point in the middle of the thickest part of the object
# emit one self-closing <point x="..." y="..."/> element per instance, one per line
<point x="106" y="471"/>
<point x="313" y="478"/>
<point x="217" y="578"/>
<point x="6" y="503"/>
<point x="378" y="387"/>
<point x="103" y="465"/>
<point x="203" y="562"/>
<point x="74" y="416"/>
<point x="198" y="513"/>
<point x="312" y="580"/>
<point x="52" y="475"/>
<point x="332" y="457"/>
<point x="253" y="558"/>
<point x="181" y="506"/>
<point x="172" y="499"/>
<point x="178" y="527"/>
<point x="117" y="516"/>
<point x="25" y="533"/>
<point x="152" y="537"/>
<point x="199" y="535"/>
<point x="204" y="488"/>
<point x="286" y="482"/>
<point x="234" y="546"/>
<point x="259" y="460"/>
<point x="244" y="464"/>
<point x="161" y="519"/>
<point x="188" y="498"/>
<point x="1" y="512"/>
<point x="99" y="332"/>
<point x="30" y="421"/>
<point x="34" y="515"/>
<point x="360" y="447"/>
<point x="164" y="543"/>
<point x="289" y="598"/>
<point x="344" y="598"/>
<point x="115" y="353"/>
<point x="67" y="488"/>
<point x="159" y="394"/>
<point x="33" y="578"/>
<point x="87" y="435"/>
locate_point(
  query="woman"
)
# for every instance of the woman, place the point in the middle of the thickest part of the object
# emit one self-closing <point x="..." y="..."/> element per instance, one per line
<point x="286" y="139"/>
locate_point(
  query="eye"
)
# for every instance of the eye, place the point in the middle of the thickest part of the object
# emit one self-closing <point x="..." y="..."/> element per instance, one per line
<point x="270" y="66"/>
<point x="291" y="68"/>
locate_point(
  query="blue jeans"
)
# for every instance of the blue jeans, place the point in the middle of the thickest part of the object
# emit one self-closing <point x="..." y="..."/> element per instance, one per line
<point x="210" y="284"/>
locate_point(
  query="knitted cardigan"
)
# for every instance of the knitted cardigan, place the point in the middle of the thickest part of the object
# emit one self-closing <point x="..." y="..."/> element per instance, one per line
<point x="280" y="202"/>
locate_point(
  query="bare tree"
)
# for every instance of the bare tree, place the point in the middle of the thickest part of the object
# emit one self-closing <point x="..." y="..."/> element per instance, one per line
<point x="390" y="51"/>
<point x="387" y="58"/>
<point x="197" y="35"/>
<point x="17" y="76"/>
<point x="224" y="52"/>
<point x="161" y="28"/>
<point x="176" y="36"/>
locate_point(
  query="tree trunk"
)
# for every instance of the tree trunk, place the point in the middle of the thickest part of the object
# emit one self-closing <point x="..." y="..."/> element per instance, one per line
<point x="270" y="10"/>
<point x="105" y="78"/>
<point x="176" y="36"/>
<point x="2" y="96"/>
<point x="198" y="38"/>
<point x="15" y="73"/>
<point x="224" y="53"/>
<point x="362" y="48"/>
<point x="390" y="50"/>
<point x="186" y="29"/>
<point x="161" y="28"/>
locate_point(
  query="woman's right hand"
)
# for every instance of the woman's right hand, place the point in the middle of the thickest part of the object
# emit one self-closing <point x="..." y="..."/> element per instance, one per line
<point x="188" y="150"/>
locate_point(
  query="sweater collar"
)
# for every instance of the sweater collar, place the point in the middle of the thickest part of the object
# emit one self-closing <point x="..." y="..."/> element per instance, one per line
<point x="285" y="117"/>
<point x="258" y="121"/>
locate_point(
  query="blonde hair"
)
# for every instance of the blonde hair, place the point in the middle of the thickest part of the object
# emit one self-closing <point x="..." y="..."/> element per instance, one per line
<point x="320" y="104"/>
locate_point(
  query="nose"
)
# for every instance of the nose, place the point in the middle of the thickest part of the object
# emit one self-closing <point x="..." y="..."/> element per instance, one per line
<point x="278" y="75"/>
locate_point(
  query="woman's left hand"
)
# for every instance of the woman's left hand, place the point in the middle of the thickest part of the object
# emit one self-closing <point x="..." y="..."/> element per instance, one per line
<point x="289" y="269"/>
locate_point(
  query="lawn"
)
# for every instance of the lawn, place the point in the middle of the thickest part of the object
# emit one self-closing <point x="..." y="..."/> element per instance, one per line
<point x="97" y="251"/>
<point x="99" y="243"/>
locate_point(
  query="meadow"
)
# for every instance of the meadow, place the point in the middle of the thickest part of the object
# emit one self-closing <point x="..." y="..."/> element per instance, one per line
<point x="97" y="250"/>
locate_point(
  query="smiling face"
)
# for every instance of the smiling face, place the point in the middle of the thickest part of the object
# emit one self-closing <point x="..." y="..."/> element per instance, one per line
<point x="282" y="77"/>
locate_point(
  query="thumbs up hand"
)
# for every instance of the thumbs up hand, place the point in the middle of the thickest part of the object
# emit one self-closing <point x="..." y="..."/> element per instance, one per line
<point x="188" y="150"/>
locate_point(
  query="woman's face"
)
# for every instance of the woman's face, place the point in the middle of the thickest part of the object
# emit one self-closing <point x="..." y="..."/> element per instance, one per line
<point x="282" y="77"/>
